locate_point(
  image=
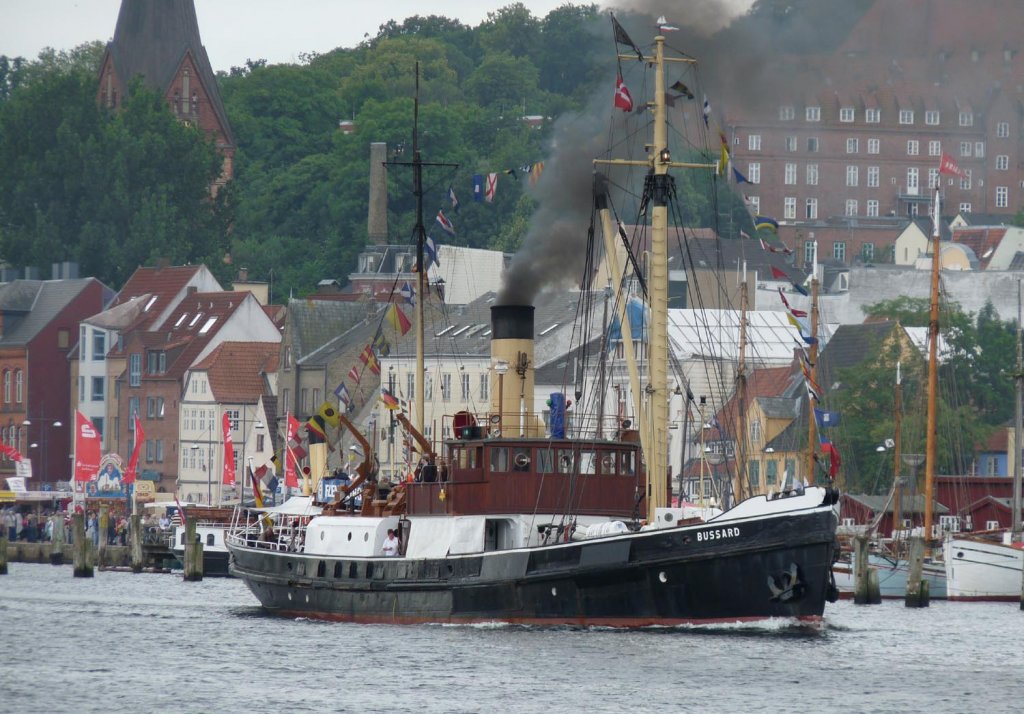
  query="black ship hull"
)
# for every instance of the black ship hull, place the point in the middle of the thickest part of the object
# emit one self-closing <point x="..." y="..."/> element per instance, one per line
<point x="775" y="566"/>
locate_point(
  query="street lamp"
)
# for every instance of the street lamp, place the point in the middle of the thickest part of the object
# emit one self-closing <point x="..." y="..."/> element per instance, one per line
<point x="207" y="469"/>
<point x="55" y="423"/>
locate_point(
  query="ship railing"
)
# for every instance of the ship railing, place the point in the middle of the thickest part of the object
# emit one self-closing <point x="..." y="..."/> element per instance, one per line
<point x="250" y="529"/>
<point x="511" y="424"/>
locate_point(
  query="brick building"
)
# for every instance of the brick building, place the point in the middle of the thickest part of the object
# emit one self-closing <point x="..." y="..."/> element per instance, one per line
<point x="159" y="42"/>
<point x="855" y="134"/>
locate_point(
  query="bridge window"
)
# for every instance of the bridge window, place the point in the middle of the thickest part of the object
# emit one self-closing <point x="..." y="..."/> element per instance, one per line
<point x="628" y="463"/>
<point x="545" y="461"/>
<point x="564" y="461"/>
<point x="499" y="458"/>
<point x="588" y="462"/>
<point x="608" y="463"/>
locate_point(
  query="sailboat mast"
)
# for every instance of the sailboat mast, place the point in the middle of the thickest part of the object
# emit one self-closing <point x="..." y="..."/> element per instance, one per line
<point x="812" y="421"/>
<point x="933" y="377"/>
<point x="898" y="448"/>
<point x="657" y="460"/>
<point x="421" y="293"/>
<point x="741" y="391"/>
<point x="1018" y="469"/>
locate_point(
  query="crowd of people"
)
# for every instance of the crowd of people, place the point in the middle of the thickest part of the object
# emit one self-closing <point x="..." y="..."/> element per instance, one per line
<point x="32" y="527"/>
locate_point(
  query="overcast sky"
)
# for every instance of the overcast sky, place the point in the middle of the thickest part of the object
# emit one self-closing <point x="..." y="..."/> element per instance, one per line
<point x="236" y="30"/>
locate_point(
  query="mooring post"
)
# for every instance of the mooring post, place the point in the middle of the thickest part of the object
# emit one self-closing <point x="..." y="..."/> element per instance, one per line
<point x="917" y="587"/>
<point x="104" y="523"/>
<point x="57" y="540"/>
<point x="3" y="553"/>
<point x="193" y="565"/>
<point x="82" y="567"/>
<point x="865" y="590"/>
<point x="135" y="543"/>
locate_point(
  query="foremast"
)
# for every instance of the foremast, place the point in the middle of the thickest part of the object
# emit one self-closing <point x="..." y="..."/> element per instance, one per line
<point x="654" y="420"/>
<point x="933" y="378"/>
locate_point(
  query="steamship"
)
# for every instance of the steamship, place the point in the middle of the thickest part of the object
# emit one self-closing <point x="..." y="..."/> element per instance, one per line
<point x="515" y="521"/>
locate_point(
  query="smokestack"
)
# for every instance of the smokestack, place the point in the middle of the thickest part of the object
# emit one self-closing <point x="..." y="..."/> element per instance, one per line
<point x="512" y="351"/>
<point x="377" y="218"/>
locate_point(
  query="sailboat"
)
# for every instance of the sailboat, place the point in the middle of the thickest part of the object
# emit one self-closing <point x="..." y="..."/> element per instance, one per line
<point x="526" y="524"/>
<point x="991" y="566"/>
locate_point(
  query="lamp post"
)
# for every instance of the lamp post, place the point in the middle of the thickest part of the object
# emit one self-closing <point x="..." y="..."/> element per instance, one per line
<point x="41" y="444"/>
<point x="207" y="467"/>
<point x="256" y="424"/>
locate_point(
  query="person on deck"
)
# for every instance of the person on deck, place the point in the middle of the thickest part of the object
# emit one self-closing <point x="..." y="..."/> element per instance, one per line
<point x="390" y="547"/>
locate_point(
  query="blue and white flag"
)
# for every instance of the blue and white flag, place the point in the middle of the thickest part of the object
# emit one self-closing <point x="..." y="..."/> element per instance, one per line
<point x="707" y="111"/>
<point x="430" y="253"/>
<point x="446" y="225"/>
<point x="408" y="293"/>
<point x="826" y="419"/>
<point x="478" y="188"/>
<point x="453" y="198"/>
<point x="343" y="395"/>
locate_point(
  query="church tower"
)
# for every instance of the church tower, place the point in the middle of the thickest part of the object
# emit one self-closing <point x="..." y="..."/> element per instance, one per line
<point x="159" y="41"/>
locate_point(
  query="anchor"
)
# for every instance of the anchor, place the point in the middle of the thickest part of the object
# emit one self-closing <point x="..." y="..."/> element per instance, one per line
<point x="788" y="586"/>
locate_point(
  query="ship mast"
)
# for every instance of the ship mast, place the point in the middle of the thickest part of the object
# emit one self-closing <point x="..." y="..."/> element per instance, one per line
<point x="1018" y="469"/>
<point x="812" y="421"/>
<point x="659" y="161"/>
<point x="933" y="377"/>
<point x="421" y="280"/>
<point x="741" y="391"/>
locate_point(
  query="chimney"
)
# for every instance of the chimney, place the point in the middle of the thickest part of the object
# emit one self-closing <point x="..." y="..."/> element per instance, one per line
<point x="512" y="344"/>
<point x="377" y="219"/>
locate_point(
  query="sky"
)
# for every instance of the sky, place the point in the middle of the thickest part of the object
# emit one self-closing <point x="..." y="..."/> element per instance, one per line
<point x="236" y="30"/>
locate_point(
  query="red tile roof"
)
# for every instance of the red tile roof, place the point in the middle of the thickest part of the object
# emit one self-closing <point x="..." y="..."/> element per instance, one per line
<point x="983" y="241"/>
<point x="162" y="283"/>
<point x="236" y="370"/>
<point x="195" y="321"/>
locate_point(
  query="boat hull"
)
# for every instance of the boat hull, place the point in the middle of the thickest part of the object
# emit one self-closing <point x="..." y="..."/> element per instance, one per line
<point x="892" y="578"/>
<point x="734" y="571"/>
<point x="983" y="570"/>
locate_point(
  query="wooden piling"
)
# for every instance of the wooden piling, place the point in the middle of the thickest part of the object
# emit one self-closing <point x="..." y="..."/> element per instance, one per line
<point x="135" y="543"/>
<point x="193" y="565"/>
<point x="57" y="540"/>
<point x="3" y="553"/>
<point x="918" y="592"/>
<point x="104" y="522"/>
<point x="865" y="589"/>
<point x="82" y="566"/>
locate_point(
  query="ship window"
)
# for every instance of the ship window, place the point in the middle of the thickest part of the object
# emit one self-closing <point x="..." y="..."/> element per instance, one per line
<point x="588" y="462"/>
<point x="499" y="458"/>
<point x="321" y="569"/>
<point x="608" y="463"/>
<point x="564" y="461"/>
<point x="476" y="457"/>
<point x="459" y="457"/>
<point x="545" y="461"/>
<point x="339" y="570"/>
<point x="209" y="539"/>
<point x="353" y="571"/>
<point x="521" y="459"/>
<point x="628" y="468"/>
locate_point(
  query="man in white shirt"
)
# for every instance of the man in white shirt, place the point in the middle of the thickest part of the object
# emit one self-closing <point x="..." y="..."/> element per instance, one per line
<point x="390" y="544"/>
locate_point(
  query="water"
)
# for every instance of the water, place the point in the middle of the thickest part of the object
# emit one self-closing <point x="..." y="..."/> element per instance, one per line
<point x="141" y="643"/>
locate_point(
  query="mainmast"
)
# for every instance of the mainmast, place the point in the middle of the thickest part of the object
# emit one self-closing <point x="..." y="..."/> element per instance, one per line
<point x="421" y="273"/>
<point x="1018" y="469"/>
<point x="741" y="391"/>
<point x="654" y="428"/>
<point x="812" y="422"/>
<point x="933" y="378"/>
<point x="897" y="448"/>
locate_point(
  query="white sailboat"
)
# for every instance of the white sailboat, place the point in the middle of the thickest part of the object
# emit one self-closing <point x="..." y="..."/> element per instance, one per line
<point x="991" y="566"/>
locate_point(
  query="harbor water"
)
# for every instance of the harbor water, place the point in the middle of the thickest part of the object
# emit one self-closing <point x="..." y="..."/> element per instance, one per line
<point x="153" y="643"/>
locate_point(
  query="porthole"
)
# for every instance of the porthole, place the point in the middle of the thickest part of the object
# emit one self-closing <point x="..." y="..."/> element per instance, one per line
<point x="321" y="535"/>
<point x="554" y="592"/>
<point x="366" y="537"/>
<point x="662" y="577"/>
<point x="307" y="598"/>
<point x="289" y="596"/>
<point x="350" y="535"/>
<point x="960" y="554"/>
<point x="522" y="460"/>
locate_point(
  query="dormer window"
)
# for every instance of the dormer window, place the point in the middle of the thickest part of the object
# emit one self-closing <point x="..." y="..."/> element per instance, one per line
<point x="194" y="320"/>
<point x="813" y="114"/>
<point x="787" y="113"/>
<point x="207" y="325"/>
<point x="149" y="304"/>
<point x="846" y="114"/>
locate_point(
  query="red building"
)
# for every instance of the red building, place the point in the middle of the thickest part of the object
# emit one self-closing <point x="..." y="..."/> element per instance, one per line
<point x="854" y="135"/>
<point x="38" y="329"/>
